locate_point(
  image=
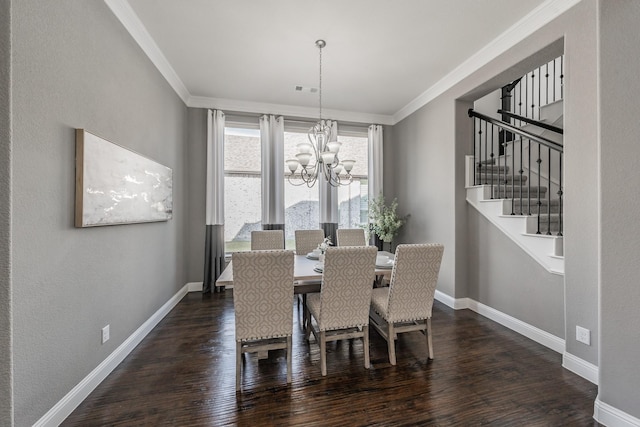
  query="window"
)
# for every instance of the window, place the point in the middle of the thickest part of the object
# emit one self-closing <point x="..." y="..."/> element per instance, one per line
<point x="243" y="184"/>
<point x="301" y="203"/>
<point x="353" y="199"/>
<point x="242" y="187"/>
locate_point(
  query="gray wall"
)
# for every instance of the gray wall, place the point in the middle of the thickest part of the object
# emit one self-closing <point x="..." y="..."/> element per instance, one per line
<point x="197" y="161"/>
<point x="505" y="277"/>
<point x="6" y="402"/>
<point x="429" y="182"/>
<point x="620" y="234"/>
<point x="75" y="66"/>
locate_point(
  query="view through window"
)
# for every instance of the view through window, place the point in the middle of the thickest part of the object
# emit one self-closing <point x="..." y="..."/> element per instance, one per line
<point x="353" y="199"/>
<point x="242" y="187"/>
<point x="302" y="203"/>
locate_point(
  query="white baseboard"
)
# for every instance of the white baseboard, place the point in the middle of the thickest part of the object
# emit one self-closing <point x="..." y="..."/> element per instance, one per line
<point x="531" y="332"/>
<point x="61" y="410"/>
<point x="194" y="286"/>
<point x="455" y="303"/>
<point x="570" y="362"/>
<point x="613" y="417"/>
<point x="580" y="367"/>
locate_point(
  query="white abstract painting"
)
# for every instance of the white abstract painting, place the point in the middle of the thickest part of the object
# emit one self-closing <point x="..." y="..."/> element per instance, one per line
<point x="115" y="185"/>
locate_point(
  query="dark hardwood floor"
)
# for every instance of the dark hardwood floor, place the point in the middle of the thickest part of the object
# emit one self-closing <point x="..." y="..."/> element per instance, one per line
<point x="183" y="374"/>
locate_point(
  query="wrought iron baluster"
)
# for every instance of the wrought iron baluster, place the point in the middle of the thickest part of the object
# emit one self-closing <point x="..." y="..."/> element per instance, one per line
<point x="513" y="178"/>
<point x="554" y="80"/>
<point x="560" y="197"/>
<point x="492" y="160"/>
<point x="529" y="177"/>
<point x="539" y="200"/>
<point x="561" y="77"/>
<point x="546" y="89"/>
<point x="475" y="164"/>
<point x="539" y="92"/>
<point x="521" y="172"/>
<point x="533" y="89"/>
<point x="549" y="194"/>
<point x="485" y="151"/>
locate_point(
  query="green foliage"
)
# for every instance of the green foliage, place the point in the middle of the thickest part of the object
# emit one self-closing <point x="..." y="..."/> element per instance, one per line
<point x="384" y="219"/>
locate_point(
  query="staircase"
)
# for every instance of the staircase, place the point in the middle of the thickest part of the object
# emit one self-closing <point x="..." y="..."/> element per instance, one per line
<point x="519" y="191"/>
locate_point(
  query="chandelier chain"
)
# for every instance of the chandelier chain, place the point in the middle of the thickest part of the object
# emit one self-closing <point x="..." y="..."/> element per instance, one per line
<point x="319" y="157"/>
<point x="320" y="83"/>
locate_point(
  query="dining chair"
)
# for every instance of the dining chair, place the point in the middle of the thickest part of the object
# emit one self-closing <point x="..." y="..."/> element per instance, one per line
<point x="263" y="303"/>
<point x="267" y="239"/>
<point x="350" y="237"/>
<point x="308" y="240"/>
<point x="406" y="304"/>
<point x="341" y="308"/>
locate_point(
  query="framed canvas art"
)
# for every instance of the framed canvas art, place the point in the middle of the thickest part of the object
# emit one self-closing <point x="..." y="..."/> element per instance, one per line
<point x="115" y="185"/>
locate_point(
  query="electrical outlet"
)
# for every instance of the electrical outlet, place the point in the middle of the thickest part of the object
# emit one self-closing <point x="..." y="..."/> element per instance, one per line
<point x="583" y="335"/>
<point x="105" y="334"/>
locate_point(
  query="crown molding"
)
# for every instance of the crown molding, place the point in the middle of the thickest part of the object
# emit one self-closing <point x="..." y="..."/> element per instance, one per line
<point x="123" y="11"/>
<point x="533" y="21"/>
<point x="229" y="105"/>
<point x="522" y="29"/>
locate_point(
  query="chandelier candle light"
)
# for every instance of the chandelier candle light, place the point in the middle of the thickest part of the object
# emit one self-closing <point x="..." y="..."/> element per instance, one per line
<point x="319" y="156"/>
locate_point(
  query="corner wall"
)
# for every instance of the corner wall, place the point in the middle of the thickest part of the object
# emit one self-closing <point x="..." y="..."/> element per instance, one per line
<point x="428" y="167"/>
<point x="619" y="177"/>
<point x="6" y="363"/>
<point x="75" y="66"/>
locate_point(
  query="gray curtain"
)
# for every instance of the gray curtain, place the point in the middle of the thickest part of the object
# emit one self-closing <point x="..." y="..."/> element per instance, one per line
<point x="273" y="226"/>
<point x="214" y="261"/>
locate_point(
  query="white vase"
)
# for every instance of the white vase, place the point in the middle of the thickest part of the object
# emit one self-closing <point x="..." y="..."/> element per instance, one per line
<point x="321" y="257"/>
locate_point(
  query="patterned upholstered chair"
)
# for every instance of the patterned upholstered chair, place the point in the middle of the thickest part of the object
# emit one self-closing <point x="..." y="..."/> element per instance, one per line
<point x="308" y="240"/>
<point x="341" y="309"/>
<point x="267" y="239"/>
<point x="350" y="237"/>
<point x="263" y="302"/>
<point x="406" y="304"/>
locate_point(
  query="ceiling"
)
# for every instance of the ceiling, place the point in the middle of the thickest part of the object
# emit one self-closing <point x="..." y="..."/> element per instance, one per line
<point x="381" y="60"/>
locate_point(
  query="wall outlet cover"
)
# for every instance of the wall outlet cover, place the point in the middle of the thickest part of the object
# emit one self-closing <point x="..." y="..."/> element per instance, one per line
<point x="583" y="335"/>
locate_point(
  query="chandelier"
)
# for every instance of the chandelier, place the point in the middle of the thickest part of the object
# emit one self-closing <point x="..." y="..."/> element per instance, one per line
<point x="319" y="156"/>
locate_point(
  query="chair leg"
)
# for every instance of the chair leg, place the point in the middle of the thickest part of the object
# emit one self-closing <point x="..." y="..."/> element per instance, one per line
<point x="307" y="322"/>
<point x="289" y="360"/>
<point x="429" y="339"/>
<point x="391" y="343"/>
<point x="304" y="312"/>
<point x="323" y="353"/>
<point x="238" y="364"/>
<point x="365" y="343"/>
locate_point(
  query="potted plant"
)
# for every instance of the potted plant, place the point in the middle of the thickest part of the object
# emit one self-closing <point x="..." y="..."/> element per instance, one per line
<point x="384" y="219"/>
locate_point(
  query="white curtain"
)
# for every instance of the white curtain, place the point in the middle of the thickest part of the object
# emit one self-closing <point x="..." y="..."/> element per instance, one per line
<point x="272" y="140"/>
<point x="329" y="215"/>
<point x="375" y="161"/>
<point x="215" y="168"/>
<point x="214" y="200"/>
<point x="329" y="193"/>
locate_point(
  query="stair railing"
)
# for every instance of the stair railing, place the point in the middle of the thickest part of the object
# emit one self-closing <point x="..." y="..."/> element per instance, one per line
<point x="494" y="172"/>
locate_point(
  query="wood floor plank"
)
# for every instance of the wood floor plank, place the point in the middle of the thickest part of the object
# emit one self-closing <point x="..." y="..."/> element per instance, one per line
<point x="183" y="374"/>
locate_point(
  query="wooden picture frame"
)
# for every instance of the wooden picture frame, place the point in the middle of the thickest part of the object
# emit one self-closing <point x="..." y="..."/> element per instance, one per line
<point x="115" y="185"/>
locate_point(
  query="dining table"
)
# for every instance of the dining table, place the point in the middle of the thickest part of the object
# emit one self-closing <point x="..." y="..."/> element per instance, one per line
<point x="307" y="277"/>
